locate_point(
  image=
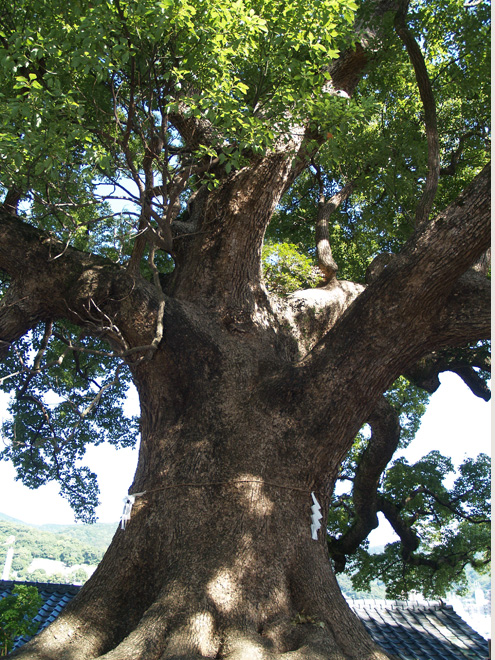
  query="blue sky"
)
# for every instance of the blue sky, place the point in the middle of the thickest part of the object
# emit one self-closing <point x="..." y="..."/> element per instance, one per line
<point x="456" y="423"/>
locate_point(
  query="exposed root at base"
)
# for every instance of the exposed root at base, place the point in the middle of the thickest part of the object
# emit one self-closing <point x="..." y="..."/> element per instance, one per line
<point x="200" y="641"/>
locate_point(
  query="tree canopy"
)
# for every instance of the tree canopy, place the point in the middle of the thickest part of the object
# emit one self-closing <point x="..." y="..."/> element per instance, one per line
<point x="155" y="151"/>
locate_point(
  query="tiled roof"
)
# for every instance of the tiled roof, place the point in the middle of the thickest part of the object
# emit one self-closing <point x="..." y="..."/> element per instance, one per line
<point x="410" y="631"/>
<point x="415" y="631"/>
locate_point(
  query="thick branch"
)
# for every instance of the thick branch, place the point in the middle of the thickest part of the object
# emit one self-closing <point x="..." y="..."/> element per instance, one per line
<point x="462" y="361"/>
<point x="476" y="384"/>
<point x="51" y="280"/>
<point x="466" y="315"/>
<point x="385" y="434"/>
<point x="401" y="316"/>
<point x="19" y="313"/>
<point x="194" y="131"/>
<point x="223" y="261"/>
<point x="409" y="540"/>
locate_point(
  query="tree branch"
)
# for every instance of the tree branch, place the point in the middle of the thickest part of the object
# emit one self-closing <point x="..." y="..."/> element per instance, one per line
<point x="194" y="131"/>
<point x="326" y="262"/>
<point x="465" y="316"/>
<point x="462" y="361"/>
<point x="451" y="506"/>
<point x="455" y="156"/>
<point x="404" y="314"/>
<point x="428" y="99"/>
<point x="385" y="435"/>
<point x="409" y="540"/>
<point x="89" y="290"/>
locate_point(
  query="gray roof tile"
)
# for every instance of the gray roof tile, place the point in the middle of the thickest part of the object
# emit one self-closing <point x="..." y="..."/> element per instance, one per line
<point x="412" y="631"/>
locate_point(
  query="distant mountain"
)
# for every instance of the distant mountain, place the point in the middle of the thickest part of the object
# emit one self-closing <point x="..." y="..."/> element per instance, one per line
<point x="54" y="553"/>
<point x="98" y="535"/>
<point x="5" y="518"/>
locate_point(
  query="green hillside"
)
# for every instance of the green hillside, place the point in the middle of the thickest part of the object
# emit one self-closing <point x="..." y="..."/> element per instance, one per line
<point x="98" y="535"/>
<point x="80" y="546"/>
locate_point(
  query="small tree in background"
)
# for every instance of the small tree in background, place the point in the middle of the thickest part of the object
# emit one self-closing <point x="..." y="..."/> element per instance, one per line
<point x="17" y="612"/>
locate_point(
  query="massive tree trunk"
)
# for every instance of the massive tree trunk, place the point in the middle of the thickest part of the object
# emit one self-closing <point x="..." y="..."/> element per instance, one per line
<point x="248" y="406"/>
<point x="218" y="558"/>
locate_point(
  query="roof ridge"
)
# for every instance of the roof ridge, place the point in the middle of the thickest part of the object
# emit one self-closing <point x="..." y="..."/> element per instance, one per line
<point x="45" y="586"/>
<point x="385" y="603"/>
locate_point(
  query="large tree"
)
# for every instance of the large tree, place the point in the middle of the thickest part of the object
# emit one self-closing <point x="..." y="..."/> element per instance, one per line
<point x="146" y="146"/>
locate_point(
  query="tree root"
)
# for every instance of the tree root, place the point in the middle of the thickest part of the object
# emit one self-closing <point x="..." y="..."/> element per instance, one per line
<point x="199" y="639"/>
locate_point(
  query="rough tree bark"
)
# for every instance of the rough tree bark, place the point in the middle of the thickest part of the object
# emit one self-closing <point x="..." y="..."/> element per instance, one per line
<point x="248" y="405"/>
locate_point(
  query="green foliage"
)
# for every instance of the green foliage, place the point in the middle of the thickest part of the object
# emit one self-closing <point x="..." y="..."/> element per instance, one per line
<point x="443" y="513"/>
<point x="452" y="527"/>
<point x="60" y="63"/>
<point x="286" y="269"/>
<point x="466" y="583"/>
<point x="377" y="140"/>
<point x="78" y="576"/>
<point x="410" y="403"/>
<point x="353" y="242"/>
<point x="375" y="589"/>
<point x="16" y="616"/>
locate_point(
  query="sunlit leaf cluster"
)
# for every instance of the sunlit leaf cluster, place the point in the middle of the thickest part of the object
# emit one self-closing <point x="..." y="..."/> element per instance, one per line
<point x="377" y="138"/>
<point x="17" y="612"/>
<point x="287" y="269"/>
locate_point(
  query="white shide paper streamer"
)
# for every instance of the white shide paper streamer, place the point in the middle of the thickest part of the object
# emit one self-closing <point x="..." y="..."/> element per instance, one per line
<point x="316" y="516"/>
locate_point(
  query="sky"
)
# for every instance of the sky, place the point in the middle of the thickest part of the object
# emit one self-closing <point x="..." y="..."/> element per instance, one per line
<point x="456" y="423"/>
